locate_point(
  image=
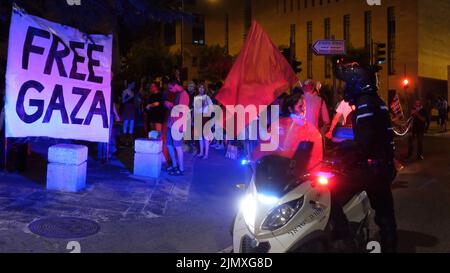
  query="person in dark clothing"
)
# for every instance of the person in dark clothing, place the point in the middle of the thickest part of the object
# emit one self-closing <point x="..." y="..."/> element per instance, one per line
<point x="373" y="159"/>
<point x="420" y="120"/>
<point x="191" y="91"/>
<point x="128" y="112"/>
<point x="154" y="109"/>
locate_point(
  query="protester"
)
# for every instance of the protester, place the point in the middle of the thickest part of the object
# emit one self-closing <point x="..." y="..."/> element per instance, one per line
<point x="128" y="112"/>
<point x="175" y="146"/>
<point x="443" y="113"/>
<point x="191" y="90"/>
<point x="316" y="108"/>
<point x="203" y="106"/>
<point x="295" y="107"/>
<point x="420" y="119"/>
<point x="343" y="116"/>
<point x="144" y="92"/>
<point x="154" y="109"/>
<point x="219" y="144"/>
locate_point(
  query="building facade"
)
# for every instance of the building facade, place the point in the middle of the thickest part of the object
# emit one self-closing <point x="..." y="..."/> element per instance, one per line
<point x="416" y="34"/>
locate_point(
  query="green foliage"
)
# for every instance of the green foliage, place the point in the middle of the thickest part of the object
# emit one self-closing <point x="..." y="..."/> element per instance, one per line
<point x="214" y="63"/>
<point x="148" y="58"/>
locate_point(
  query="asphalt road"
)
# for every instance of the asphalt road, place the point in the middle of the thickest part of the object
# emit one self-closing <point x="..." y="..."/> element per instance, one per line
<point x="198" y="210"/>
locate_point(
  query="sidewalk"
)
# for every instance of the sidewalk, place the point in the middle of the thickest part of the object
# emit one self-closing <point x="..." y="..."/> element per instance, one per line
<point x="435" y="131"/>
<point x="170" y="214"/>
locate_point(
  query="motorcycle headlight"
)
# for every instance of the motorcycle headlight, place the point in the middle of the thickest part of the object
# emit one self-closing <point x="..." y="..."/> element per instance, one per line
<point x="281" y="215"/>
<point x="249" y="206"/>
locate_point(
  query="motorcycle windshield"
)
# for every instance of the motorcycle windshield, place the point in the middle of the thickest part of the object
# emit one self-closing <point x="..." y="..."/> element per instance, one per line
<point x="299" y="152"/>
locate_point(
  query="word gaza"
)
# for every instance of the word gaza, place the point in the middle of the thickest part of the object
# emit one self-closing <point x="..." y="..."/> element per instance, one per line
<point x="57" y="103"/>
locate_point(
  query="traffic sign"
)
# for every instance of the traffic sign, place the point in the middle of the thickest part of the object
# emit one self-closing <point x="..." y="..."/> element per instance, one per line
<point x="330" y="47"/>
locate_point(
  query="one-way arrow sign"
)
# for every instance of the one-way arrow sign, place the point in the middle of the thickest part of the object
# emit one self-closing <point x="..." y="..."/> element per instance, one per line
<point x="330" y="47"/>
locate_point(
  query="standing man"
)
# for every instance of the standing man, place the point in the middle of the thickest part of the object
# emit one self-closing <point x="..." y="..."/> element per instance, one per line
<point x="373" y="159"/>
<point x="175" y="145"/>
<point x="420" y="120"/>
<point x="316" y="108"/>
<point x="191" y="90"/>
<point x="443" y="113"/>
<point x="342" y="116"/>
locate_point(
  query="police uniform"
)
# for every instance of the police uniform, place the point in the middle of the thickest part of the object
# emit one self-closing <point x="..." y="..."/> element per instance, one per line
<point x="374" y="136"/>
<point x="372" y="164"/>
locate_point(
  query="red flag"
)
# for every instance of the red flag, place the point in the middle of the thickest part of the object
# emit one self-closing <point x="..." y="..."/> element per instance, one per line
<point x="259" y="75"/>
<point x="396" y="108"/>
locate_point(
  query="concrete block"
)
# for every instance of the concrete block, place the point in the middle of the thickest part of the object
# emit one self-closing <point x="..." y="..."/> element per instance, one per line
<point x="147" y="165"/>
<point x="148" y="146"/>
<point x="68" y="154"/>
<point x="65" y="177"/>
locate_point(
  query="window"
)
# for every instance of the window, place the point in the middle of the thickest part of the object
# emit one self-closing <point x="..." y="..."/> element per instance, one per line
<point x="309" y="41"/>
<point x="347" y="29"/>
<point x="391" y="40"/>
<point x="368" y="29"/>
<point x="292" y="39"/>
<point x="327" y="28"/>
<point x="327" y="36"/>
<point x="198" y="30"/>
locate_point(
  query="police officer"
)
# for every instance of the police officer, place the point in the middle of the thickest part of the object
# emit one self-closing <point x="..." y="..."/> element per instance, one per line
<point x="374" y="154"/>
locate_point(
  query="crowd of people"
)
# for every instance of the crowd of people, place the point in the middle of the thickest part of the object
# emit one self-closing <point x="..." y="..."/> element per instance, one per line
<point x="146" y="106"/>
<point x="143" y="110"/>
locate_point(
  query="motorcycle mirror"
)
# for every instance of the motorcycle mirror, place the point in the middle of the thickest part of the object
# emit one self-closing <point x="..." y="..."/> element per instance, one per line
<point x="241" y="187"/>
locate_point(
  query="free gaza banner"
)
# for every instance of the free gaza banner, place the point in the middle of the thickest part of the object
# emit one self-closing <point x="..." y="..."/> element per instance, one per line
<point x="58" y="81"/>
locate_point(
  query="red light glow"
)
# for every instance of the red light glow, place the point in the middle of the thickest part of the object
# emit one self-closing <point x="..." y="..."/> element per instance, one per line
<point x="323" y="181"/>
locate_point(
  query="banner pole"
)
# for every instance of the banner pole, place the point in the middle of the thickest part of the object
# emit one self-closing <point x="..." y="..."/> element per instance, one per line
<point x="107" y="152"/>
<point x="5" y="152"/>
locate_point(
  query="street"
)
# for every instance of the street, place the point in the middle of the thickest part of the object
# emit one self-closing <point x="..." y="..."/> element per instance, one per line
<point x="194" y="213"/>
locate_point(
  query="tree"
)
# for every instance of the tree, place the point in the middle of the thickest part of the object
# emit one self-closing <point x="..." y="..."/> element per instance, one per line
<point x="214" y="63"/>
<point x="149" y="58"/>
<point x="127" y="20"/>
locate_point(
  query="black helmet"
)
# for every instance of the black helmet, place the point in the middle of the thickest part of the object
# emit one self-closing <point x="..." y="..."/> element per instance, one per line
<point x="359" y="80"/>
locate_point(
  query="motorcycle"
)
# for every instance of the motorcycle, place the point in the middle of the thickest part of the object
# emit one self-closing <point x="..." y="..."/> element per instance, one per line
<point x="287" y="205"/>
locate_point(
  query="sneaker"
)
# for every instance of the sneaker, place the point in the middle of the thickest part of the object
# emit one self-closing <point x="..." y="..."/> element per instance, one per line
<point x="177" y="172"/>
<point x="170" y="169"/>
